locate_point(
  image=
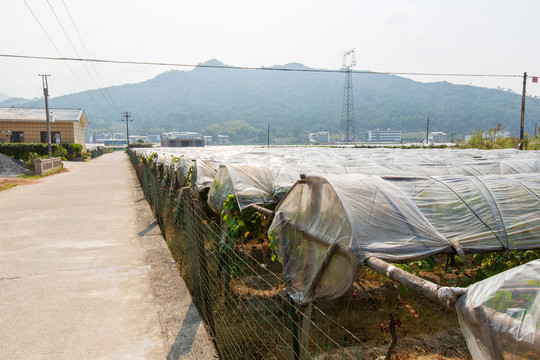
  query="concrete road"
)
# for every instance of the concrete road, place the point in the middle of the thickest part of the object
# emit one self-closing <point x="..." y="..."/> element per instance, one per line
<point x="85" y="272"/>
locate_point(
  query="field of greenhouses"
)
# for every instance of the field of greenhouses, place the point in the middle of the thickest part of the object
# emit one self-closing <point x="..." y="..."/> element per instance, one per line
<point x="311" y="252"/>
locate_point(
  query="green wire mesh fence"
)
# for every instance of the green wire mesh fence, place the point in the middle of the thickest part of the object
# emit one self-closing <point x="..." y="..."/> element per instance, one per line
<point x="244" y="304"/>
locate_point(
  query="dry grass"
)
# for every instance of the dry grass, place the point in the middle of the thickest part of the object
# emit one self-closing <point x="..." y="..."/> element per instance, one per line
<point x="8" y="183"/>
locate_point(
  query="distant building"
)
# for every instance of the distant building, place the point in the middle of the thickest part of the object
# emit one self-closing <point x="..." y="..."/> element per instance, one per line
<point x="154" y="139"/>
<point x="23" y="125"/>
<point x="387" y="135"/>
<point x="183" y="135"/>
<point x="181" y="139"/>
<point x="99" y="137"/>
<point x="281" y="141"/>
<point x="113" y="142"/>
<point x="319" y="137"/>
<point x="182" y="142"/>
<point x="223" y="140"/>
<point x="119" y="136"/>
<point x="135" y="138"/>
<point x="438" y="137"/>
<point x="207" y="140"/>
<point x="497" y="135"/>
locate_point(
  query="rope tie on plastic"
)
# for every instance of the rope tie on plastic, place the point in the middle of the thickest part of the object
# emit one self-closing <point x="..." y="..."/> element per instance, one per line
<point x="448" y="293"/>
<point x="457" y="246"/>
<point x="390" y="269"/>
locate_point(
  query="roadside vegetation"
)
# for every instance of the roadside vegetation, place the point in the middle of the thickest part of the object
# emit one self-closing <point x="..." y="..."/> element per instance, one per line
<point x="37" y="177"/>
<point x="8" y="183"/>
<point x="17" y="157"/>
<point x="4" y="186"/>
<point x="27" y="151"/>
<point x="493" y="139"/>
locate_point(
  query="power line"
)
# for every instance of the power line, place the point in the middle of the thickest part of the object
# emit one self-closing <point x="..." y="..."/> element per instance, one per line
<point x="76" y="52"/>
<point x="126" y="62"/>
<point x="63" y="29"/>
<point x="41" y="26"/>
<point x="18" y="66"/>
<point x="59" y="53"/>
<point x="88" y="54"/>
<point x="111" y="103"/>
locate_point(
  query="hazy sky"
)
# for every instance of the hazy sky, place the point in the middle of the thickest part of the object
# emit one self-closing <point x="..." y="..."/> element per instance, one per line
<point x="431" y="36"/>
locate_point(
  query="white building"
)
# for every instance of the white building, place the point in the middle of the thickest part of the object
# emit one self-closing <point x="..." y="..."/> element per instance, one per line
<point x="438" y="137"/>
<point x="499" y="134"/>
<point x="387" y="135"/>
<point x="119" y="136"/>
<point x="281" y="141"/>
<point x="319" y="137"/>
<point x="207" y="139"/>
<point x="182" y="135"/>
<point x="135" y="138"/>
<point x="153" y="138"/>
<point x="223" y="140"/>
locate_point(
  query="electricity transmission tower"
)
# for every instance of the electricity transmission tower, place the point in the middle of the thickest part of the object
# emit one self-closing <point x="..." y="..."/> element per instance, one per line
<point x="347" y="115"/>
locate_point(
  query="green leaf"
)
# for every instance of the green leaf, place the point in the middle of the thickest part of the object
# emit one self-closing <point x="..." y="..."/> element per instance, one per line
<point x="403" y="290"/>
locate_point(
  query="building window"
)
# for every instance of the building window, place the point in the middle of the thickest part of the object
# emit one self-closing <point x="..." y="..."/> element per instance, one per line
<point x="55" y="137"/>
<point x="17" y="137"/>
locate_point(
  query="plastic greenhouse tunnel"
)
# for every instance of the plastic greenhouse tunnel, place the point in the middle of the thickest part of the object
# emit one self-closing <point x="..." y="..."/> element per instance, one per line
<point x="262" y="183"/>
<point x="500" y="316"/>
<point x="341" y="209"/>
<point x="250" y="184"/>
<point x="342" y="220"/>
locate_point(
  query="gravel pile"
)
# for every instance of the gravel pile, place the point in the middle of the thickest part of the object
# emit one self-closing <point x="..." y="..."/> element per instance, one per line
<point x="10" y="167"/>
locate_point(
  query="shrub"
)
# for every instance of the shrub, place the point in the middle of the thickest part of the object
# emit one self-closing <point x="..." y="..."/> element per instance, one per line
<point x="490" y="140"/>
<point x="22" y="151"/>
<point x="73" y="151"/>
<point x="141" y="145"/>
<point x="29" y="164"/>
<point x="99" y="151"/>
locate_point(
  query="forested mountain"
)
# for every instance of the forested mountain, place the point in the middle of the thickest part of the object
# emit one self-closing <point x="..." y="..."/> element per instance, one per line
<point x="242" y="102"/>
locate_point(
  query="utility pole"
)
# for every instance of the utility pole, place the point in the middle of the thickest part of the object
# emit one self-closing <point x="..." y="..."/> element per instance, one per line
<point x="46" y="94"/>
<point x="522" y="124"/>
<point x="268" y="138"/>
<point x="127" y="115"/>
<point x="427" y="132"/>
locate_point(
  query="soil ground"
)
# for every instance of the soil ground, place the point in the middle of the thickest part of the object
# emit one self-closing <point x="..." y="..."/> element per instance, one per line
<point x="433" y="334"/>
<point x="7" y="183"/>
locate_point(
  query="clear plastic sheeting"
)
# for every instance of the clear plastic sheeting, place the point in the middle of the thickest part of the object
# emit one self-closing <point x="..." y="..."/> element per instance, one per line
<point x="255" y="185"/>
<point x="286" y="165"/>
<point x="342" y="156"/>
<point x="250" y="184"/>
<point x="397" y="219"/>
<point x="500" y="316"/>
<point x="182" y="169"/>
<point x="203" y="173"/>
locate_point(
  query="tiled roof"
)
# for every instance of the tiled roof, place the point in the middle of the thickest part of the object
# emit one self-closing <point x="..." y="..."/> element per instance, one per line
<point x="23" y="114"/>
